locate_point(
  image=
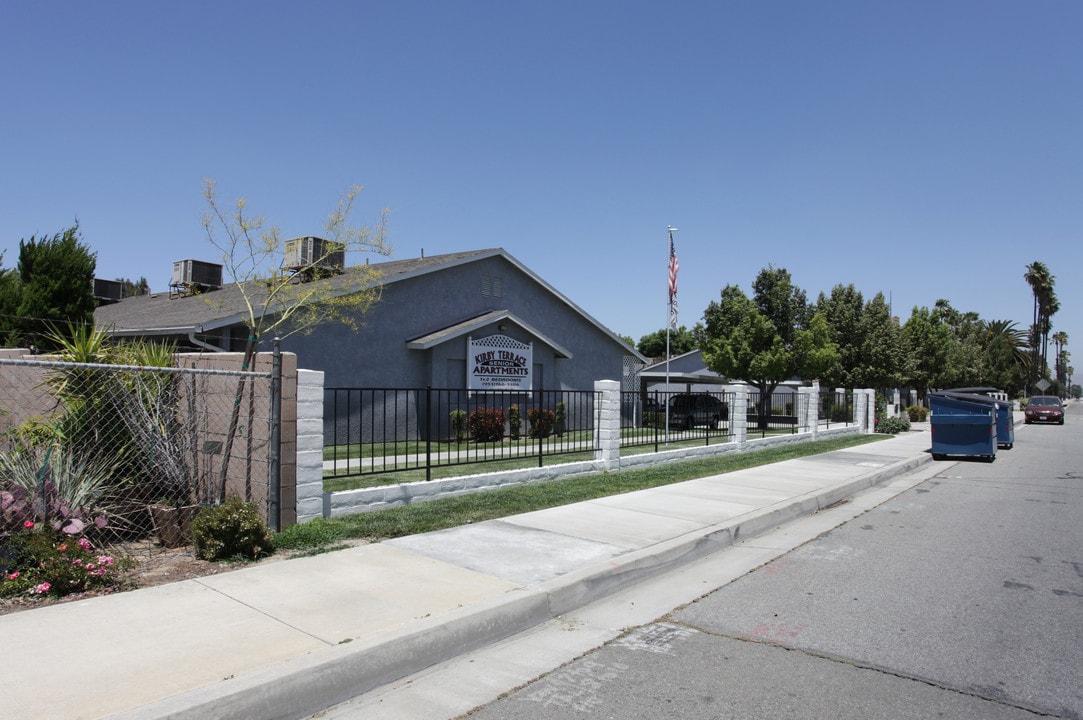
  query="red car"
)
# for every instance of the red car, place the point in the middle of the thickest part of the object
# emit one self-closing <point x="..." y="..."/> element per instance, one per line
<point x="1044" y="408"/>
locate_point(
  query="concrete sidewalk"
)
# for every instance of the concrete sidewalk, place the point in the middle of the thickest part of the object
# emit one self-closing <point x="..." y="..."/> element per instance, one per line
<point x="287" y="639"/>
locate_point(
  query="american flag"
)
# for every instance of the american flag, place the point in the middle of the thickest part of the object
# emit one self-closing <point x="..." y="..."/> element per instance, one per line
<point x="673" y="267"/>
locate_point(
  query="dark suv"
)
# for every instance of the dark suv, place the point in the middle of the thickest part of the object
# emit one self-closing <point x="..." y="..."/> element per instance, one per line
<point x="688" y="410"/>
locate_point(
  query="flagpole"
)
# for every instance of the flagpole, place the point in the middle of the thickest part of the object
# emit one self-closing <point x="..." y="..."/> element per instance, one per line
<point x="670" y="315"/>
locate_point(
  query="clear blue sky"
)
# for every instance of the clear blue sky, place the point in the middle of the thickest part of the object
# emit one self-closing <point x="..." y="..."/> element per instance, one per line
<point x="923" y="149"/>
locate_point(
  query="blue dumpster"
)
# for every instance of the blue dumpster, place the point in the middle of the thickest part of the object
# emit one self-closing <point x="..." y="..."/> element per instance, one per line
<point x="962" y="424"/>
<point x="1005" y="417"/>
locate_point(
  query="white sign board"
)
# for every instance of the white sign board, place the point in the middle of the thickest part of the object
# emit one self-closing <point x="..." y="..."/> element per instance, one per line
<point x="499" y="363"/>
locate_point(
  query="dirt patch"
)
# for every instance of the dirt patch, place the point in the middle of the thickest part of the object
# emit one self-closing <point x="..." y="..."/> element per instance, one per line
<point x="153" y="565"/>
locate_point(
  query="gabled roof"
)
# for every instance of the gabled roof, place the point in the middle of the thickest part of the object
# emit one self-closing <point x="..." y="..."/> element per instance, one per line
<point x="466" y="327"/>
<point x="159" y="314"/>
<point x="688" y="367"/>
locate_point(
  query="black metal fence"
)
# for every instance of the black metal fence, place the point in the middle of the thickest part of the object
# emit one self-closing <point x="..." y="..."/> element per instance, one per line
<point x="371" y="431"/>
<point x="836" y="407"/>
<point x="773" y="415"/>
<point x="387" y="430"/>
<point x="701" y="417"/>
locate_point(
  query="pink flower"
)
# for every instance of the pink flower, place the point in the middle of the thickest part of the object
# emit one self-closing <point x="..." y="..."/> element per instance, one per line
<point x="105" y="561"/>
<point x="40" y="589"/>
<point x="84" y="543"/>
<point x="13" y="575"/>
<point x="62" y="547"/>
<point x="28" y="524"/>
<point x="90" y="567"/>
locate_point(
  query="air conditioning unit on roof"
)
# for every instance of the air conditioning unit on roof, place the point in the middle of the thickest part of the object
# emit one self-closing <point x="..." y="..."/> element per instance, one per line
<point x="305" y="254"/>
<point x="196" y="274"/>
<point x="108" y="291"/>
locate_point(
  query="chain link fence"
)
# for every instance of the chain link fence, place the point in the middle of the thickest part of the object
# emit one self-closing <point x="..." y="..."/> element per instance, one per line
<point x="129" y="453"/>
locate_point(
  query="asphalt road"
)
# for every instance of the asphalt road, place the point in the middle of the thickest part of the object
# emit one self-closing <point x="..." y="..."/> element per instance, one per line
<point x="960" y="598"/>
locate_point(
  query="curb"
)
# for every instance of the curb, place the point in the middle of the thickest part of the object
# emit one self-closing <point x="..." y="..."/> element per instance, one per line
<point x="302" y="686"/>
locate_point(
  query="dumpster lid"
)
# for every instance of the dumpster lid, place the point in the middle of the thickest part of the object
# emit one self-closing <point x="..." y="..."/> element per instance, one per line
<point x="974" y="390"/>
<point x="967" y="394"/>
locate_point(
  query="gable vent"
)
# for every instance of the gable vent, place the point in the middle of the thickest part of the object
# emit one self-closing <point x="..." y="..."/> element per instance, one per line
<point x="492" y="286"/>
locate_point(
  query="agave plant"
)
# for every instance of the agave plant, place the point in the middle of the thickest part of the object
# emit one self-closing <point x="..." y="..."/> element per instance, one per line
<point x="53" y="485"/>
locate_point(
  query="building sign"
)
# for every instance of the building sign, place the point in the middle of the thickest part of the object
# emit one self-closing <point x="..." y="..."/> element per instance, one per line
<point x="498" y="362"/>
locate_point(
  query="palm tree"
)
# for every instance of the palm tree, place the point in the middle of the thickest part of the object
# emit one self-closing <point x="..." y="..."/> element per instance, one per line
<point x="1041" y="283"/>
<point x="1009" y="333"/>
<point x="1006" y="352"/>
<point x="1060" y="339"/>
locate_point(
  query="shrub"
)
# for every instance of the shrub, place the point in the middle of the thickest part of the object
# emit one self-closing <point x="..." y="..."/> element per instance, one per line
<point x="881" y="406"/>
<point x="917" y="413"/>
<point x="33" y="433"/>
<point x="515" y="422"/>
<point x="458" y="424"/>
<point x="892" y="425"/>
<point x="541" y="422"/>
<point x="233" y="529"/>
<point x="42" y="562"/>
<point x="562" y="415"/>
<point x="487" y="425"/>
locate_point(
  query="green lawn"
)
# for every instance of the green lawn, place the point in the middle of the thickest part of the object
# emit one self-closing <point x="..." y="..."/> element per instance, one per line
<point x="322" y="534"/>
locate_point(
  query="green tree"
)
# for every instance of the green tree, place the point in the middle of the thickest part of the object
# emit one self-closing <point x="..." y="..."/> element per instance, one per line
<point x="770" y="338"/>
<point x="278" y="302"/>
<point x="130" y="288"/>
<point x="57" y="279"/>
<point x="1004" y="346"/>
<point x="10" y="298"/>
<point x="843" y="309"/>
<point x="928" y="342"/>
<point x="882" y="354"/>
<point x="966" y="364"/>
<point x="681" y="341"/>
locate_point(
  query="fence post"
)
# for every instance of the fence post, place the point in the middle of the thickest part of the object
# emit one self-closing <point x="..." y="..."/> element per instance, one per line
<point x="865" y="410"/>
<point x="310" y="439"/>
<point x="739" y="415"/>
<point x="814" y="408"/>
<point x="607" y="429"/>
<point x="428" y="433"/>
<point x="803" y="422"/>
<point x="274" y="492"/>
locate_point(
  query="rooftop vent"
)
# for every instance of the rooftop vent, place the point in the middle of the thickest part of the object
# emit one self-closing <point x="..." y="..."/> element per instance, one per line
<point x="314" y="257"/>
<point x="191" y="277"/>
<point x="107" y="292"/>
